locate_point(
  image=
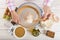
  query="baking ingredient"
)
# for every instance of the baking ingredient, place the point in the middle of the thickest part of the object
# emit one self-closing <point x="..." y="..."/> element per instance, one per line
<point x="7" y="14"/>
<point x="50" y="34"/>
<point x="19" y="32"/>
<point x="35" y="32"/>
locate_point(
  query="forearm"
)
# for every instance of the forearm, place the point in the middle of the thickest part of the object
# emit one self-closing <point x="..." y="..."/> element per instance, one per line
<point x="11" y="5"/>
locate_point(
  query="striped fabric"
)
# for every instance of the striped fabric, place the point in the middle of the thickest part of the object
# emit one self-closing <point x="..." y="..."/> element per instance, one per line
<point x="48" y="2"/>
<point x="11" y="5"/>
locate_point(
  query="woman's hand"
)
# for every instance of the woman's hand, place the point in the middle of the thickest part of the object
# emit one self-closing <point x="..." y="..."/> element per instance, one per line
<point x="48" y="13"/>
<point x="15" y="17"/>
<point x="11" y="6"/>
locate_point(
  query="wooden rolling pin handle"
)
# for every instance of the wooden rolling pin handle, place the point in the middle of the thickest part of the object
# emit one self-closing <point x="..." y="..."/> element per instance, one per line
<point x="13" y="23"/>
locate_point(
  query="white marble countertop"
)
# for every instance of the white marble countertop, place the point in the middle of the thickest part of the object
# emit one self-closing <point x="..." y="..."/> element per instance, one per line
<point x="4" y="34"/>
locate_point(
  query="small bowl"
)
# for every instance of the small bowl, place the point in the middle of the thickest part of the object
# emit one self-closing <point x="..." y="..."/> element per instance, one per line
<point x="12" y="31"/>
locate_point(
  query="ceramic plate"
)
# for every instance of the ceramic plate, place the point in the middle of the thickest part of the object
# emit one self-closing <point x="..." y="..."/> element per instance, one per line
<point x="29" y="14"/>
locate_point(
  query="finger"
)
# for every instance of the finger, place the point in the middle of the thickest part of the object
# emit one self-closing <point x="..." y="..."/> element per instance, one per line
<point x="46" y="17"/>
<point x="18" y="21"/>
<point x="14" y="20"/>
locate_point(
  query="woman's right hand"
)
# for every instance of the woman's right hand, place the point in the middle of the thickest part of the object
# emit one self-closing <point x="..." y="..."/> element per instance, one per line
<point x="15" y="17"/>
